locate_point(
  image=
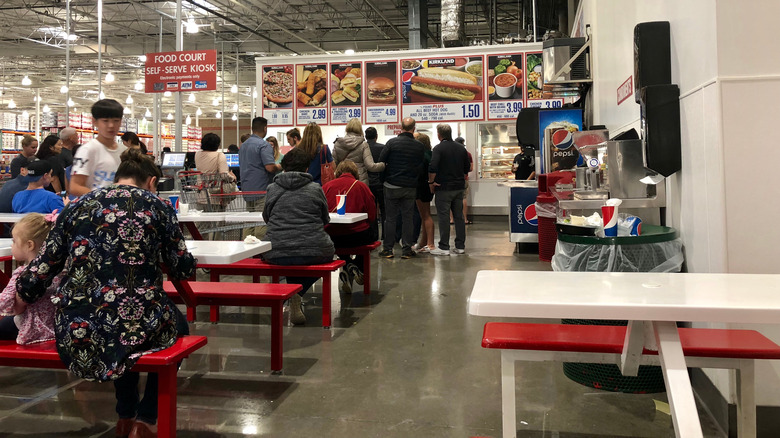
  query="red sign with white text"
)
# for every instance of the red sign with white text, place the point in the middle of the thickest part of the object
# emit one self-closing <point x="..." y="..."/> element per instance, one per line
<point x="181" y="71"/>
<point x="625" y="90"/>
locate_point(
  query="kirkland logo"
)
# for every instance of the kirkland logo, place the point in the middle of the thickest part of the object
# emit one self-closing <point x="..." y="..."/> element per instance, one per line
<point x="200" y="84"/>
<point x="186" y="85"/>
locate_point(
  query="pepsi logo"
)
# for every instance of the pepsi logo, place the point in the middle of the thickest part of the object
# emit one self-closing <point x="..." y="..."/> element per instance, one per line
<point x="530" y="215"/>
<point x="562" y="139"/>
<point x="407" y="76"/>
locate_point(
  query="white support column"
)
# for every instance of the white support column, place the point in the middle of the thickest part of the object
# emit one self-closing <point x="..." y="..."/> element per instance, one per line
<point x="179" y="47"/>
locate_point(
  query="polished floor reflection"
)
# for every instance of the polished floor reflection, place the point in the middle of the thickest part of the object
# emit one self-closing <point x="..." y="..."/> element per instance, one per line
<point x="403" y="362"/>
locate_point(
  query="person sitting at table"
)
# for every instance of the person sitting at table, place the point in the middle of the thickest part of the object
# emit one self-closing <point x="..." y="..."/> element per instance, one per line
<point x="36" y="199"/>
<point x="359" y="200"/>
<point x="296" y="213"/>
<point x="111" y="307"/>
<point x="33" y="323"/>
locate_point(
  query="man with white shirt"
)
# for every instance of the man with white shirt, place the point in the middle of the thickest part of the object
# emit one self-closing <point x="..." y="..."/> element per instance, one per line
<point x="97" y="160"/>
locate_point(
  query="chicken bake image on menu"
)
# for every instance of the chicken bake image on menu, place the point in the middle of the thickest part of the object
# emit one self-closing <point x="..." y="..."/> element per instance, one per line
<point x="312" y="81"/>
<point x="442" y="79"/>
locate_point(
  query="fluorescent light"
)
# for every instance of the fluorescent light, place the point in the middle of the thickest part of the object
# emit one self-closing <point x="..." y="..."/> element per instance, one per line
<point x="234" y="89"/>
<point x="129" y="99"/>
<point x="167" y="94"/>
<point x="349" y="52"/>
<point x="235" y="117"/>
<point x="198" y="112"/>
<point x="188" y="120"/>
<point x="215" y="102"/>
<point x="192" y="97"/>
<point x="11" y="104"/>
<point x="109" y="77"/>
<point x="148" y="113"/>
<point x="191" y="26"/>
<point x="46" y="109"/>
<point x="26" y="81"/>
<point x="139" y="86"/>
<point x="102" y="95"/>
<point x="142" y="58"/>
<point x="218" y="115"/>
<point x="64" y="89"/>
<point x="170" y="116"/>
<point x="35" y="98"/>
<point x="71" y="102"/>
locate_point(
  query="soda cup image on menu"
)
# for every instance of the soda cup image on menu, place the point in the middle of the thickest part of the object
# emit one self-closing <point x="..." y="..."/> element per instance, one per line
<point x="341" y="205"/>
<point x="609" y="214"/>
<point x="175" y="202"/>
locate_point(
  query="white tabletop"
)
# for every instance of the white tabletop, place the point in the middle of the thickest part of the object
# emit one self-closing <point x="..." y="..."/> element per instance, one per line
<point x="5" y="247"/>
<point x="348" y="218"/>
<point x="11" y="218"/>
<point x="731" y="298"/>
<point x="201" y="217"/>
<point x="220" y="252"/>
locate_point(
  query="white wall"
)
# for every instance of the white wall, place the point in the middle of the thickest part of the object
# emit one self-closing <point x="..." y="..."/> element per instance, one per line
<point x="725" y="60"/>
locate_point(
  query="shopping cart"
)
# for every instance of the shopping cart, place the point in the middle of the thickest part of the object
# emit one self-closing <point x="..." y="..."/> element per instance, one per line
<point x="198" y="188"/>
<point x="239" y="202"/>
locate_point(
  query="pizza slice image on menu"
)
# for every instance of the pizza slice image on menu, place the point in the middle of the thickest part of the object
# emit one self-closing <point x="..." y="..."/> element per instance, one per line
<point x="277" y="86"/>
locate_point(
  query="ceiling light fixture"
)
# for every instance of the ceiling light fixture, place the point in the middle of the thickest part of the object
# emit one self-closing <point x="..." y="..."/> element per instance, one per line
<point x="109" y="77"/>
<point x="129" y="99"/>
<point x="191" y="26"/>
<point x="142" y="58"/>
<point x="126" y="110"/>
<point x="148" y="113"/>
<point x="198" y="112"/>
<point x="188" y="120"/>
<point x="139" y="86"/>
<point x="235" y="117"/>
<point x="235" y="107"/>
<point x="102" y="95"/>
<point x="234" y="89"/>
<point x="46" y="109"/>
<point x="11" y="104"/>
<point x="71" y="102"/>
<point x="26" y="81"/>
<point x="254" y="94"/>
<point x="167" y="94"/>
<point x="192" y="97"/>
<point x="215" y="102"/>
<point x="349" y="52"/>
<point x="25" y="114"/>
<point x="64" y="89"/>
<point x="170" y="116"/>
<point x="218" y="115"/>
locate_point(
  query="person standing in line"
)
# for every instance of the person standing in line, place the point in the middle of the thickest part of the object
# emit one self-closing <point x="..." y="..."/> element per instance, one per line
<point x="524" y="163"/>
<point x="376" y="179"/>
<point x="257" y="167"/>
<point x="462" y="141"/>
<point x="96" y="161"/>
<point x="26" y="155"/>
<point x="355" y="148"/>
<point x="277" y="153"/>
<point x="319" y="153"/>
<point x="293" y="137"/>
<point x="70" y="139"/>
<point x="403" y="157"/>
<point x="424" y="198"/>
<point x="449" y="165"/>
<point x="244" y="137"/>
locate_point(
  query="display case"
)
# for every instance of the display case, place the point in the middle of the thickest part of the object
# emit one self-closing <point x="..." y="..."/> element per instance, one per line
<point x="497" y="149"/>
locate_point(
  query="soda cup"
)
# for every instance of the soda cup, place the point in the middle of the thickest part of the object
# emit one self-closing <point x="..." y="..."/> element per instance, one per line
<point x="635" y="226"/>
<point x="609" y="214"/>
<point x="341" y="204"/>
<point x="175" y="202"/>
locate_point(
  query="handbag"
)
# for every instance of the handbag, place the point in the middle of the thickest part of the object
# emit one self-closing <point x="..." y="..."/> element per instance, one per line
<point x="327" y="169"/>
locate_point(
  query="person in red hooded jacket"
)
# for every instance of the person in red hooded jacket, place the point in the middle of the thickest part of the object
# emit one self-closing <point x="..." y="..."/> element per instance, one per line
<point x="359" y="200"/>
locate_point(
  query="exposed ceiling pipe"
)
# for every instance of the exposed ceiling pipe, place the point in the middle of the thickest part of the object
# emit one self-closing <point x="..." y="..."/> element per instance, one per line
<point x="453" y="26"/>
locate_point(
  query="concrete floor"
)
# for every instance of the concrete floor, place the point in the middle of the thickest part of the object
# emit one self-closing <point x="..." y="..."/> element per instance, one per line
<point x="403" y="362"/>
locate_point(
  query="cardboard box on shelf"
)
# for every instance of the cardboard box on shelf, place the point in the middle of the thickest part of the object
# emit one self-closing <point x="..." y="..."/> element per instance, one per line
<point x="9" y="121"/>
<point x="22" y="123"/>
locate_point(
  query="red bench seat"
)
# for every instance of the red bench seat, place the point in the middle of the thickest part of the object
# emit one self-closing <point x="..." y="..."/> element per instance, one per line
<point x="365" y="251"/>
<point x="258" y="268"/>
<point x="702" y="348"/>
<point x="243" y="294"/>
<point x="164" y="363"/>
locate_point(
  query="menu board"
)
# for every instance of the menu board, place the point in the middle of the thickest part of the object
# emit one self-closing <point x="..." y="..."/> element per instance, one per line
<point x="278" y="91"/>
<point x="534" y="79"/>
<point x="443" y="89"/>
<point x="505" y="86"/>
<point x="381" y="94"/>
<point x="311" y="102"/>
<point x="346" y="85"/>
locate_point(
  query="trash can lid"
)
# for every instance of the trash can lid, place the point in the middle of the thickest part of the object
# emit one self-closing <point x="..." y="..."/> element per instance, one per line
<point x="650" y="234"/>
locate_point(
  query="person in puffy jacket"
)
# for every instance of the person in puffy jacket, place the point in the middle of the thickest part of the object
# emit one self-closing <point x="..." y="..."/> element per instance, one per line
<point x="354" y="147"/>
<point x="296" y="213"/>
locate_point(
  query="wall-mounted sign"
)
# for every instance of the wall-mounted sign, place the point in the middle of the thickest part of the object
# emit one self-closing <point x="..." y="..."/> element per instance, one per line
<point x="346" y="92"/>
<point x="311" y="102"/>
<point x="381" y="92"/>
<point x="505" y="79"/>
<point x="625" y="90"/>
<point x="278" y="91"/>
<point x="181" y="71"/>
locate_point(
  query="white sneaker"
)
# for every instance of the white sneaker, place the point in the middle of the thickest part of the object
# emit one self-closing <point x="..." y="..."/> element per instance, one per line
<point x="440" y="252"/>
<point x="458" y="251"/>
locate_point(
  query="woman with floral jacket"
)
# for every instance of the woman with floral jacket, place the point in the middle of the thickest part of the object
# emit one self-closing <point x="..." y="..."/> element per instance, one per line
<point x="111" y="308"/>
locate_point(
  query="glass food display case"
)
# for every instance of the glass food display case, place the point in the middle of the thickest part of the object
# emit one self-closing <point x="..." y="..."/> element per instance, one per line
<point x="497" y="150"/>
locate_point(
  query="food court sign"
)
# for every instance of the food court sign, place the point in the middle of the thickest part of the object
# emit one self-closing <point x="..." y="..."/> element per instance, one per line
<point x="181" y="71"/>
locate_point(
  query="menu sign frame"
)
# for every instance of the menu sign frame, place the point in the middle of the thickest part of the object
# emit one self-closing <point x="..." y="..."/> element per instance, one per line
<point x="346" y="92"/>
<point x="274" y="100"/>
<point x="506" y="98"/>
<point x="382" y="98"/>
<point x="312" y="100"/>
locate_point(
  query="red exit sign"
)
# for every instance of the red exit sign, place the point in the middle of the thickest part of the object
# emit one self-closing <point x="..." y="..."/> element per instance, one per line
<point x="625" y="90"/>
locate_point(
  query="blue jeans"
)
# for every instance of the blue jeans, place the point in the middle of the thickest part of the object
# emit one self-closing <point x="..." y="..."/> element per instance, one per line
<point x="445" y="201"/>
<point x="126" y="388"/>
<point x="305" y="282"/>
<point x="399" y="200"/>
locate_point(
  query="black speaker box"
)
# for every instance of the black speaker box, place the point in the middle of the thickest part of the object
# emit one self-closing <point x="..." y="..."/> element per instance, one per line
<point x="660" y="112"/>
<point x="652" y="56"/>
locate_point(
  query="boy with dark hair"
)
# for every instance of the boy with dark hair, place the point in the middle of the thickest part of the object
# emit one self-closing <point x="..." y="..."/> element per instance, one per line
<point x="35" y="199"/>
<point x="96" y="161"/>
<point x="293" y="137"/>
<point x="296" y="212"/>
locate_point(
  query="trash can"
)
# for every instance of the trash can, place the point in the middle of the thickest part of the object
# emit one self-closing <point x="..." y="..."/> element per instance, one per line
<point x="658" y="249"/>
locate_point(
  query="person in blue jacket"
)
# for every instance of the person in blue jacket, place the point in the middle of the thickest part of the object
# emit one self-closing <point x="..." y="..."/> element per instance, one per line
<point x="36" y="199"/>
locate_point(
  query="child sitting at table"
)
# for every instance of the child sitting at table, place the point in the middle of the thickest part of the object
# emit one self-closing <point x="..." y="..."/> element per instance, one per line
<point x="296" y="213"/>
<point x="28" y="323"/>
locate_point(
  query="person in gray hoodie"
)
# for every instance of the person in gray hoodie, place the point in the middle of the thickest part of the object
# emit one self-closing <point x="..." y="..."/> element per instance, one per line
<point x="296" y="213"/>
<point x="354" y="147"/>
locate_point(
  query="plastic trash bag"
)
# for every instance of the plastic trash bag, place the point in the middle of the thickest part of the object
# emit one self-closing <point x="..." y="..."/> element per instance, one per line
<point x="643" y="257"/>
<point x="547" y="209"/>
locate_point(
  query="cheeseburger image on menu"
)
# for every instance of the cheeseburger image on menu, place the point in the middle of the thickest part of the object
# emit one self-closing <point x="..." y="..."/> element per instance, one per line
<point x="381" y="90"/>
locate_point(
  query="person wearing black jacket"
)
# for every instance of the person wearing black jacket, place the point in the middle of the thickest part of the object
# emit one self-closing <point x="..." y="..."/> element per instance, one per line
<point x="376" y="179"/>
<point x="403" y="157"/>
<point x="449" y="165"/>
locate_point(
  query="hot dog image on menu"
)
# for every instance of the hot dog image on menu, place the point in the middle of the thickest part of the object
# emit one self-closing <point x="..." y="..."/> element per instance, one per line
<point x="453" y="79"/>
<point x="312" y="84"/>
